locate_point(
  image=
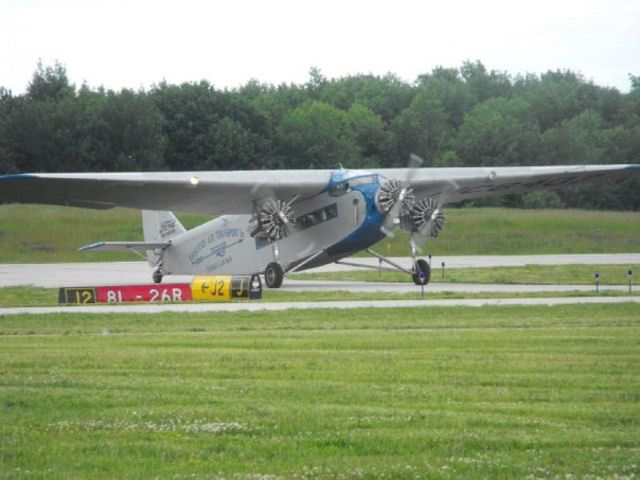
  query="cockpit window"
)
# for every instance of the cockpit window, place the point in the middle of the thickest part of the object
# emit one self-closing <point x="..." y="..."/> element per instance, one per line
<point x="339" y="189"/>
<point x="346" y="185"/>
<point x="366" y="180"/>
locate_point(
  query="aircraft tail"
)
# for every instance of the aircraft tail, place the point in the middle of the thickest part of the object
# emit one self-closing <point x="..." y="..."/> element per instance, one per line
<point x="159" y="226"/>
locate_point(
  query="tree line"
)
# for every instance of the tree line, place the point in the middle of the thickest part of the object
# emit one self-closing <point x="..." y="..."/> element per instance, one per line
<point x="450" y="117"/>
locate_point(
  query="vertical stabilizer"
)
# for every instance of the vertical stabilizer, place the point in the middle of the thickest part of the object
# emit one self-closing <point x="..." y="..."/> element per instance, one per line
<point x="159" y="226"/>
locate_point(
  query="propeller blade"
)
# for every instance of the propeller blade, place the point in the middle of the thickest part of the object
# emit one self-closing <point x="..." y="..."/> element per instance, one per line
<point x="392" y="219"/>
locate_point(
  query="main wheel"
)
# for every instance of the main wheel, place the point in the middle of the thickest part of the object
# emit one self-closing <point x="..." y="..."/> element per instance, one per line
<point x="157" y="276"/>
<point x="422" y="273"/>
<point x="273" y="275"/>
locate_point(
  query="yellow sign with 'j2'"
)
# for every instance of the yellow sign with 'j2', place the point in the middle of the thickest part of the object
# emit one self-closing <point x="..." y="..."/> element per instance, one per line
<point x="222" y="288"/>
<point x="212" y="289"/>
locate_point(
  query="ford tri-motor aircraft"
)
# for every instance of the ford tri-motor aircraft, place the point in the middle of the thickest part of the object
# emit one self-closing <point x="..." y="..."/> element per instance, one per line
<point x="280" y="221"/>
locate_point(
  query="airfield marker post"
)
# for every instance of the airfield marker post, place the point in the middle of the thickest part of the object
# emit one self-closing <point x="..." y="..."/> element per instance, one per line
<point x="442" y="270"/>
<point x="423" y="276"/>
<point x="630" y="275"/>
<point x="597" y="277"/>
<point x="379" y="269"/>
<point x="429" y="259"/>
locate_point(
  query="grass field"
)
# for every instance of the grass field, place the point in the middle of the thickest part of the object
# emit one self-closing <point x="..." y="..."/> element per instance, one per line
<point x="53" y="234"/>
<point x="530" y="274"/>
<point x="549" y="392"/>
<point x="41" y="297"/>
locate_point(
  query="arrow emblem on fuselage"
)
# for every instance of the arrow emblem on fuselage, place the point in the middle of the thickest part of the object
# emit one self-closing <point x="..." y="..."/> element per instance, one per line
<point x="219" y="250"/>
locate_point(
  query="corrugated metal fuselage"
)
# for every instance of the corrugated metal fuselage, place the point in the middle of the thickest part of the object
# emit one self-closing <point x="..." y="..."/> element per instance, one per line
<point x="331" y="226"/>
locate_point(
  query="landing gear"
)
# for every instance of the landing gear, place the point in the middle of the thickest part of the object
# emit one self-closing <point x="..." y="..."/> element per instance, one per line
<point x="157" y="276"/>
<point x="273" y="275"/>
<point x="421" y="272"/>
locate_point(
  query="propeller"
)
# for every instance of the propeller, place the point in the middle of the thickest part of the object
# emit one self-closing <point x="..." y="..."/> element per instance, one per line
<point x="395" y="199"/>
<point x="274" y="219"/>
<point x="427" y="217"/>
<point x="423" y="218"/>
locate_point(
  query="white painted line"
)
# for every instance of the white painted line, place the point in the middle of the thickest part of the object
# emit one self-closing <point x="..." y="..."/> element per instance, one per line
<point x="277" y="306"/>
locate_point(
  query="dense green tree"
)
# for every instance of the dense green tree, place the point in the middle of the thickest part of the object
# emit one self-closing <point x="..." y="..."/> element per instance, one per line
<point x="318" y="135"/>
<point x="578" y="140"/>
<point x="50" y="83"/>
<point x="556" y="96"/>
<point x="422" y="129"/>
<point x="228" y="146"/>
<point x="188" y="113"/>
<point x="483" y="84"/>
<point x="446" y="86"/>
<point x="7" y="155"/>
<point x="134" y="126"/>
<point x="385" y="96"/>
<point x="371" y="136"/>
<point x="40" y="135"/>
<point x="450" y="117"/>
<point x="499" y="131"/>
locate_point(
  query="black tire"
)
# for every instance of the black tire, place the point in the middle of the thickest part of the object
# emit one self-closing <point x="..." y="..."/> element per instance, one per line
<point x="421" y="266"/>
<point x="273" y="275"/>
<point x="157" y="276"/>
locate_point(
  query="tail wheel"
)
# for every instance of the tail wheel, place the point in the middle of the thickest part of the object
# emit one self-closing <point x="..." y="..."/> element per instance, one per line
<point x="273" y="275"/>
<point x="422" y="272"/>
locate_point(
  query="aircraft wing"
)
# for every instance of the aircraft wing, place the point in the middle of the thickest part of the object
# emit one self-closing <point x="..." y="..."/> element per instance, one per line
<point x="214" y="193"/>
<point x="450" y="185"/>
<point x="219" y="193"/>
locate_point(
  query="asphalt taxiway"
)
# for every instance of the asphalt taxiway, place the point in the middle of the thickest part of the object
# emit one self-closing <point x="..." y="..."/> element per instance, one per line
<point x="55" y="275"/>
<point x="125" y="273"/>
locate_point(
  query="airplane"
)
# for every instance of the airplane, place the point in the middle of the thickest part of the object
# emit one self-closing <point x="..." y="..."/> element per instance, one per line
<point x="276" y="222"/>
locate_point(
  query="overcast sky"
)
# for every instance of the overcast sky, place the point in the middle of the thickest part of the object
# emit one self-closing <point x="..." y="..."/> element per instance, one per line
<point x="136" y="43"/>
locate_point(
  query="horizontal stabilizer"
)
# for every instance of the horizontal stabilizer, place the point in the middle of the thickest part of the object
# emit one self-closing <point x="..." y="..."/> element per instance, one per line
<point x="114" y="246"/>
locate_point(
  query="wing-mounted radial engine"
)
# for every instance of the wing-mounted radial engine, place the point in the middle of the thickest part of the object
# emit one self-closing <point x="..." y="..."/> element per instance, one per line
<point x="425" y="218"/>
<point x="273" y="221"/>
<point x="394" y="200"/>
<point x="421" y="218"/>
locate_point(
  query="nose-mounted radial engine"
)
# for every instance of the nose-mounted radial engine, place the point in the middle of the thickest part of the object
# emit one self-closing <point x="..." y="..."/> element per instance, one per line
<point x="272" y="221"/>
<point x="422" y="218"/>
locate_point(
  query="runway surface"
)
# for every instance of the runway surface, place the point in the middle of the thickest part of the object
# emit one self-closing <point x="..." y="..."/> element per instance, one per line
<point x="118" y="273"/>
<point x="278" y="306"/>
<point x="486" y="261"/>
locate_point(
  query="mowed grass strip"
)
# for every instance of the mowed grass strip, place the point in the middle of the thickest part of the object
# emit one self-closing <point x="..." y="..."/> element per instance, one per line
<point x="42" y="234"/>
<point x="527" y="275"/>
<point x="503" y="231"/>
<point x="46" y="234"/>
<point x="42" y="297"/>
<point x="544" y="392"/>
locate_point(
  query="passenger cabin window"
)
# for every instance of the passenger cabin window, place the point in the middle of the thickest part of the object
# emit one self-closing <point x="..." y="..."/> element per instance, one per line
<point x="305" y="221"/>
<point x="317" y="216"/>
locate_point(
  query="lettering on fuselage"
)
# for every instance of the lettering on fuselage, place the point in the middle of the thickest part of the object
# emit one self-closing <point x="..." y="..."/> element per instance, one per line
<point x="215" y="246"/>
